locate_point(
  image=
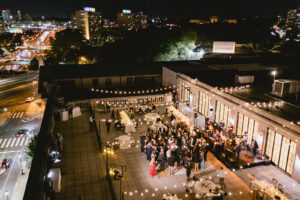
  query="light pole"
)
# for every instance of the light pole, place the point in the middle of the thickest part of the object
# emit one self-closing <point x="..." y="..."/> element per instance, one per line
<point x="119" y="176"/>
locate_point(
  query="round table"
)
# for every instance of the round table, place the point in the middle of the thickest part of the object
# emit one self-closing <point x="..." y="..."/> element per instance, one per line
<point x="151" y="117"/>
<point x="203" y="187"/>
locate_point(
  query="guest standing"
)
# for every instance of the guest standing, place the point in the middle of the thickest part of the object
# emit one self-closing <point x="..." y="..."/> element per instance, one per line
<point x="108" y="125"/>
<point x="152" y="167"/>
<point x="143" y="142"/>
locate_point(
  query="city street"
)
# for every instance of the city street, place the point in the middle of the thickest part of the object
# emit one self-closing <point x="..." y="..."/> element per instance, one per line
<point x="19" y="115"/>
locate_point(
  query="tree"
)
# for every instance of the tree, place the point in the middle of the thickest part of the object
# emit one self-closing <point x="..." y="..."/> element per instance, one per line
<point x="32" y="147"/>
<point x="34" y="64"/>
<point x="66" y="47"/>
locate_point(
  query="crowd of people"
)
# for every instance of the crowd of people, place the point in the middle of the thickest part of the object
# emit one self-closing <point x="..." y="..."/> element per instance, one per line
<point x="172" y="147"/>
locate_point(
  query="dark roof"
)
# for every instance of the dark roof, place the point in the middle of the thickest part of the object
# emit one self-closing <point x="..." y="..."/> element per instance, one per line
<point x="98" y="70"/>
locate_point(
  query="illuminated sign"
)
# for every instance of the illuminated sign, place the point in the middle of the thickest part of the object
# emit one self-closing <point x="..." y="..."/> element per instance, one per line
<point x="223" y="47"/>
<point x="127" y="11"/>
<point x="89" y="9"/>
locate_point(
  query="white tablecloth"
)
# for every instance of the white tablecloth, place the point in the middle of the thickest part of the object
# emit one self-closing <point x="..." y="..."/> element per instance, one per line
<point x="156" y="126"/>
<point x="268" y="189"/>
<point x="129" y="126"/>
<point x="55" y="175"/>
<point x="179" y="115"/>
<point x="203" y="187"/>
<point x="151" y="117"/>
<point x="64" y="115"/>
<point x="125" y="141"/>
<point x="76" y="112"/>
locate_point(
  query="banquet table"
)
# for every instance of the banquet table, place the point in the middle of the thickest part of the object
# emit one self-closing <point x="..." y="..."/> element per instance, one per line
<point x="268" y="190"/>
<point x="151" y="117"/>
<point x="179" y="115"/>
<point x="129" y="125"/>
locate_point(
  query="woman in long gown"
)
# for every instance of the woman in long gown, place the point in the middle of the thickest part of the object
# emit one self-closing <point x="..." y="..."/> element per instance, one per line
<point x="152" y="167"/>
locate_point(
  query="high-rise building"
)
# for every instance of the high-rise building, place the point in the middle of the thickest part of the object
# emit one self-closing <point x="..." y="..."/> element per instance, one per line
<point x="6" y="16"/>
<point x="19" y="15"/>
<point x="88" y="21"/>
<point x="292" y="24"/>
<point x="2" y="25"/>
<point x="128" y="20"/>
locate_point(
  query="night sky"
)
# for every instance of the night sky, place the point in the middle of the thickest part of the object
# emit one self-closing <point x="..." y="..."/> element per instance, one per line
<point x="174" y="8"/>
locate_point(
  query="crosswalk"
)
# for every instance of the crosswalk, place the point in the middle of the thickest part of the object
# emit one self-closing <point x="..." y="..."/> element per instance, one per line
<point x="17" y="115"/>
<point x="13" y="142"/>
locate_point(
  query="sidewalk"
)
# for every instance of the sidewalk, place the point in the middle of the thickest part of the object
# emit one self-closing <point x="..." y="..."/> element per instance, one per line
<point x="82" y="172"/>
<point x="4" y="118"/>
<point x="21" y="184"/>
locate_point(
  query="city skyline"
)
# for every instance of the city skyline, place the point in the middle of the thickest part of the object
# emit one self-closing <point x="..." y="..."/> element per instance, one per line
<point x="191" y="8"/>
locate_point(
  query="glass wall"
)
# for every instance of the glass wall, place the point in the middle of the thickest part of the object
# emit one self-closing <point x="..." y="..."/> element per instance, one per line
<point x="276" y="148"/>
<point x="247" y="125"/>
<point x="203" y="103"/>
<point x="281" y="150"/>
<point x="223" y="113"/>
<point x="185" y="94"/>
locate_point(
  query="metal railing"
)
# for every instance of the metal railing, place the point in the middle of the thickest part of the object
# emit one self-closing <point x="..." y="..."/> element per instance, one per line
<point x="110" y="184"/>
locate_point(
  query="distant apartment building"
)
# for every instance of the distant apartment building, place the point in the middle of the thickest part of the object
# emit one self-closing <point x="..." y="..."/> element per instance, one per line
<point x="2" y="25"/>
<point x="292" y="24"/>
<point x="132" y="21"/>
<point x="88" y="21"/>
<point x="6" y="16"/>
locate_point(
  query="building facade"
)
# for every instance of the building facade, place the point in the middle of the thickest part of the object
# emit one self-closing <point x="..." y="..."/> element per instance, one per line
<point x="6" y="16"/>
<point x="277" y="138"/>
<point x="132" y="21"/>
<point x="88" y="21"/>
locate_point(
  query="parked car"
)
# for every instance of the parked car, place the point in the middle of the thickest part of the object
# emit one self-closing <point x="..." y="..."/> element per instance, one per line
<point x="29" y="99"/>
<point x="6" y="163"/>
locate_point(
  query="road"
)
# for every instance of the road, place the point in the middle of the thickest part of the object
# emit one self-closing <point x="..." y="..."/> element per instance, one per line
<point x="20" y="115"/>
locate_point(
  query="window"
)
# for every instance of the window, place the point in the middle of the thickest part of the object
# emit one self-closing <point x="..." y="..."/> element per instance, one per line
<point x="108" y="82"/>
<point x="284" y="153"/>
<point x="222" y="113"/>
<point x="291" y="158"/>
<point x="203" y="104"/>
<point x="270" y="142"/>
<point x="240" y="124"/>
<point x="276" y="148"/>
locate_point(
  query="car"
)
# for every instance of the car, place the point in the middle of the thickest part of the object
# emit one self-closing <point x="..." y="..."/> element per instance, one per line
<point x="23" y="132"/>
<point x="6" y="163"/>
<point x="29" y="99"/>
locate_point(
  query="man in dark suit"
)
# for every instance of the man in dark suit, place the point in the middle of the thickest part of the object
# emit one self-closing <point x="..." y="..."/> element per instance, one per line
<point x="143" y="141"/>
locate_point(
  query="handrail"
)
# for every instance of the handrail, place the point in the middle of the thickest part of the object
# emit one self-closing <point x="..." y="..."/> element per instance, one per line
<point x="111" y="187"/>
